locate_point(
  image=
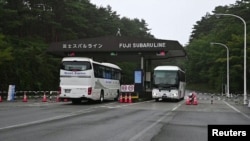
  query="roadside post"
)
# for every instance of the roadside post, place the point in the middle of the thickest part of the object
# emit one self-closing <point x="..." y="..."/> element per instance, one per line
<point x="212" y="99"/>
<point x="11" y="93"/>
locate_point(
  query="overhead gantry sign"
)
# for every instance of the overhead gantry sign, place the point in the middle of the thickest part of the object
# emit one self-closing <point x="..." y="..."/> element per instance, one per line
<point x="124" y="48"/>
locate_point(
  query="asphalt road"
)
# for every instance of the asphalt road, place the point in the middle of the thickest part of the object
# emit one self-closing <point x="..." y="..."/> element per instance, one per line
<point x="113" y="121"/>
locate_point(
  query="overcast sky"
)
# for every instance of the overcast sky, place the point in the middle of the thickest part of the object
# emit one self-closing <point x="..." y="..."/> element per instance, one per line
<point x="167" y="19"/>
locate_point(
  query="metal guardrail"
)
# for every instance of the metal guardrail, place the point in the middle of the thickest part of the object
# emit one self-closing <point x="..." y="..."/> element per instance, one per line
<point x="30" y="94"/>
<point x="236" y="98"/>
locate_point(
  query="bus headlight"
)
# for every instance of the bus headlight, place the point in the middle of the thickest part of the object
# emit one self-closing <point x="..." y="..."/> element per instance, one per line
<point x="154" y="93"/>
<point x="174" y="94"/>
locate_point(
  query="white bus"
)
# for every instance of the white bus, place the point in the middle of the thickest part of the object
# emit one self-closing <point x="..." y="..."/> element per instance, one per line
<point x="85" y="79"/>
<point x="168" y="83"/>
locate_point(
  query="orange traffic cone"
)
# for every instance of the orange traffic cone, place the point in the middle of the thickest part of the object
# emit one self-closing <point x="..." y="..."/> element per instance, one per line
<point x="1" y="100"/>
<point x="126" y="98"/>
<point x="120" y="98"/>
<point x="57" y="98"/>
<point x="188" y="101"/>
<point x="195" y="102"/>
<point x="25" y="99"/>
<point x="129" y="98"/>
<point x="44" y="98"/>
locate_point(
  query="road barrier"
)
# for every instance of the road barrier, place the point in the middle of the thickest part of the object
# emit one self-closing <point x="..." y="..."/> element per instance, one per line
<point x="35" y="95"/>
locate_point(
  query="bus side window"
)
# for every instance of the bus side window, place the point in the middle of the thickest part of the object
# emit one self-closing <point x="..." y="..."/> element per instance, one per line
<point x="96" y="69"/>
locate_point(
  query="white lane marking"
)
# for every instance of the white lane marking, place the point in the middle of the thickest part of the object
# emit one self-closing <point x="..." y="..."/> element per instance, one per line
<point x="176" y="107"/>
<point x="236" y="110"/>
<point x="125" y="104"/>
<point x="64" y="116"/>
<point x="48" y="119"/>
<point x="82" y="112"/>
<point x="134" y="138"/>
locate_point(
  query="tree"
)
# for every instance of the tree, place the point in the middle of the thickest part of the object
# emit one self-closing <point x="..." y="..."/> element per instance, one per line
<point x="27" y="27"/>
<point x="5" y="50"/>
<point x="207" y="65"/>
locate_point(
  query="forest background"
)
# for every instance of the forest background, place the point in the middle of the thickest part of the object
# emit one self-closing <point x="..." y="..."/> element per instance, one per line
<point x="28" y="27"/>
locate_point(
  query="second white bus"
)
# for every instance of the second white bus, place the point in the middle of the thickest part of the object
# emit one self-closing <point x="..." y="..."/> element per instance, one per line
<point x="168" y="83"/>
<point x="85" y="79"/>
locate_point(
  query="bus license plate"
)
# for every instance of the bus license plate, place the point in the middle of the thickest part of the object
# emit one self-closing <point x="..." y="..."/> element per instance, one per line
<point x="67" y="90"/>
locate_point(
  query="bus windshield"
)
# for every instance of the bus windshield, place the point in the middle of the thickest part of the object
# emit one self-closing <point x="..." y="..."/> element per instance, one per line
<point x="76" y="65"/>
<point x="163" y="78"/>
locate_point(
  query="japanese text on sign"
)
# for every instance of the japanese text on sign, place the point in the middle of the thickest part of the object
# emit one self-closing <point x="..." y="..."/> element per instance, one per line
<point x="127" y="88"/>
<point x="82" y="45"/>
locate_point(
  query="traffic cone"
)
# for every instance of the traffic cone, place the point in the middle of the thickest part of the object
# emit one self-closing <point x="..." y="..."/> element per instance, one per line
<point x="126" y="98"/>
<point x="1" y="100"/>
<point x="25" y="99"/>
<point x="129" y="98"/>
<point x="120" y="98"/>
<point x="44" y="98"/>
<point x="57" y="98"/>
<point x="188" y="101"/>
<point x="195" y="102"/>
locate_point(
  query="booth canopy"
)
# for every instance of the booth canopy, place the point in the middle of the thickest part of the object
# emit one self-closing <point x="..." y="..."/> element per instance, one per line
<point x="118" y="48"/>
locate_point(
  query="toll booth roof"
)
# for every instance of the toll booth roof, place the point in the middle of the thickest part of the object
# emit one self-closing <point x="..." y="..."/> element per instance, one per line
<point x="118" y="48"/>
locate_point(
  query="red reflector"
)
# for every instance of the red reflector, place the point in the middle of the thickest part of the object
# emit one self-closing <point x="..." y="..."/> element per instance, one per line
<point x="89" y="90"/>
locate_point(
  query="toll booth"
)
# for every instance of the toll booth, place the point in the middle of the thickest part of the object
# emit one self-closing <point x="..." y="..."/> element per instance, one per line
<point x="146" y="51"/>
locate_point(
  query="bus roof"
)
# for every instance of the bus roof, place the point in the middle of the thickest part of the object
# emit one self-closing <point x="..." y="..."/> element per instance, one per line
<point x="76" y="59"/>
<point x="167" y="68"/>
<point x="111" y="65"/>
<point x="91" y="60"/>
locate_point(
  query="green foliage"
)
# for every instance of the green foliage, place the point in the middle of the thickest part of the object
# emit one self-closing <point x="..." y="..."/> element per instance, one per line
<point x="127" y="70"/>
<point x="27" y="27"/>
<point x="207" y="64"/>
<point x="5" y="50"/>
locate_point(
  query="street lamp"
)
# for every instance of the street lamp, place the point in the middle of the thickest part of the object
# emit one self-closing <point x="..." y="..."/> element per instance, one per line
<point x="245" y="54"/>
<point x="212" y="43"/>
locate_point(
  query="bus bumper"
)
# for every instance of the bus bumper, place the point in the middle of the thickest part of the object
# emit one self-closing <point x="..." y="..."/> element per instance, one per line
<point x="164" y="95"/>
